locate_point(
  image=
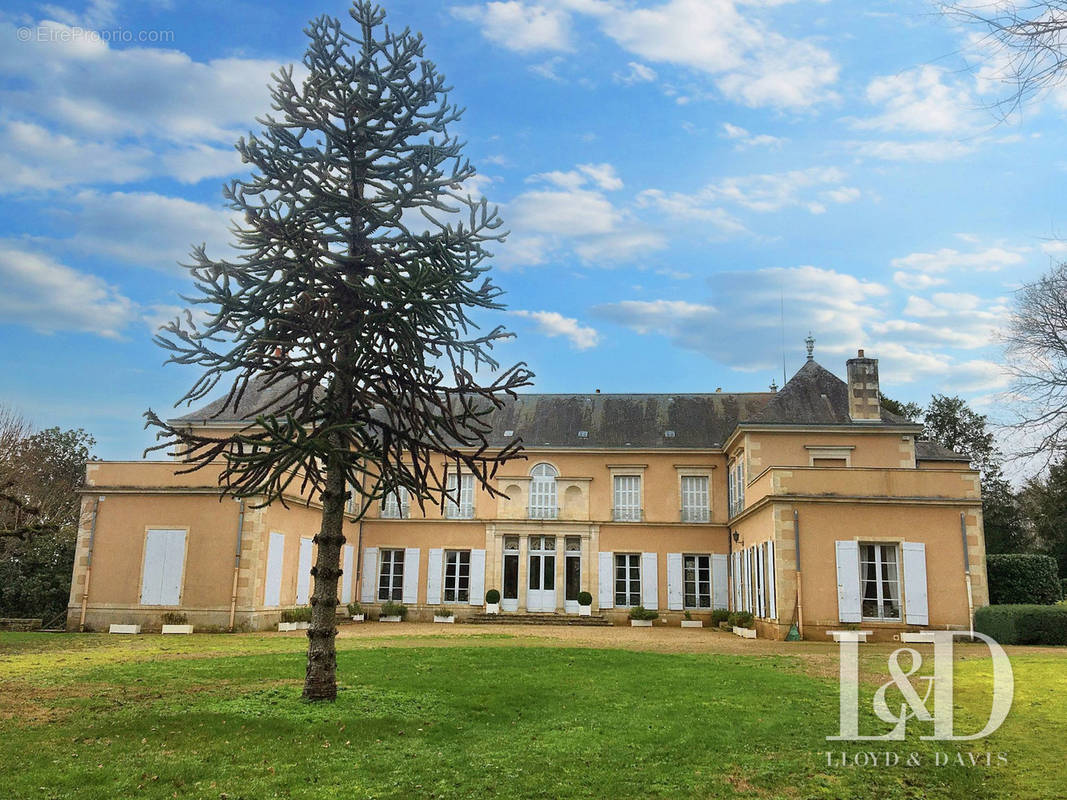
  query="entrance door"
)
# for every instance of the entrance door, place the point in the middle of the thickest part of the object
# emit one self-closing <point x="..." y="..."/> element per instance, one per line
<point x="572" y="575"/>
<point x="541" y="579"/>
<point x="509" y="596"/>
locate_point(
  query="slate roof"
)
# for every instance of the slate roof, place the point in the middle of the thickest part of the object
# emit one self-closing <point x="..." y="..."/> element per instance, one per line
<point x="935" y="451"/>
<point x="813" y="396"/>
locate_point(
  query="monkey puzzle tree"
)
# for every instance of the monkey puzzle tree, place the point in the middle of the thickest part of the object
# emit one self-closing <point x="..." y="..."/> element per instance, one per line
<point x="361" y="262"/>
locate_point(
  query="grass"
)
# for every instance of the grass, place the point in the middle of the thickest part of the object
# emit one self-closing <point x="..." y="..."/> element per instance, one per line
<point x="480" y="715"/>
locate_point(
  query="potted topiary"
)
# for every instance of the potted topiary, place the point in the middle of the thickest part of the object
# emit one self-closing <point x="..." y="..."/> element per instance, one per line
<point x="689" y="622"/>
<point x="176" y="622"/>
<point x="443" y="615"/>
<point x="295" y="619"/>
<point x="492" y="602"/>
<point x="392" y="612"/>
<point x="743" y="622"/>
<point x="585" y="604"/>
<point x="355" y="610"/>
<point x="641" y="617"/>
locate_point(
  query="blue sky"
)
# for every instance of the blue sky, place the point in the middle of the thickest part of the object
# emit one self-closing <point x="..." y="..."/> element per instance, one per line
<point x="671" y="173"/>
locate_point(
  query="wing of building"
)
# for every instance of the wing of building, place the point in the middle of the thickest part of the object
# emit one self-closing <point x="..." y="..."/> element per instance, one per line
<point x="811" y="505"/>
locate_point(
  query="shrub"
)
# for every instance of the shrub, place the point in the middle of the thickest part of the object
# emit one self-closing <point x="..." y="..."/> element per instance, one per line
<point x="585" y="599"/>
<point x="175" y="618"/>
<point x="741" y="619"/>
<point x="443" y="612"/>
<point x="492" y="596"/>
<point x="299" y="614"/>
<point x="640" y="612"/>
<point x="1023" y="624"/>
<point x="392" y="609"/>
<point x="354" y="609"/>
<point x="719" y="615"/>
<point x="687" y="615"/>
<point x="1063" y="589"/>
<point x="1022" y="578"/>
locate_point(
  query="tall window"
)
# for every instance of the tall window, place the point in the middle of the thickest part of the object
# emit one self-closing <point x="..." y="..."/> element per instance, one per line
<point x="461" y="497"/>
<point x="880" y="581"/>
<point x="391" y="575"/>
<point x="396" y="505"/>
<point x="627" y="498"/>
<point x="543" y="503"/>
<point x="696" y="581"/>
<point x="735" y="479"/>
<point x="457" y="576"/>
<point x="627" y="579"/>
<point x="695" y="498"/>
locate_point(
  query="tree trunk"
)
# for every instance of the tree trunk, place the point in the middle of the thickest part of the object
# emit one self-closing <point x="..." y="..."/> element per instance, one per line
<point x="320" y="683"/>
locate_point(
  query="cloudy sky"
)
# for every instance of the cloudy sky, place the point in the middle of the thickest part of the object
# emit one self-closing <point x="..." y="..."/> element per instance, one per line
<point x="675" y="174"/>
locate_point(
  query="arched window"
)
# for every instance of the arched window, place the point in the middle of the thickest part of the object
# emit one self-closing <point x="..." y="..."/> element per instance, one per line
<point x="543" y="503"/>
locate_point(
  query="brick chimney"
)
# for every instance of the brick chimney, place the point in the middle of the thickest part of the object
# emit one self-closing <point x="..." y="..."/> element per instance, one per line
<point x="863" y="400"/>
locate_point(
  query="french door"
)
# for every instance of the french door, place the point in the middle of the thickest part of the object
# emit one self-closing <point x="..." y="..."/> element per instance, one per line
<point x="541" y="578"/>
<point x="572" y="574"/>
<point x="509" y="596"/>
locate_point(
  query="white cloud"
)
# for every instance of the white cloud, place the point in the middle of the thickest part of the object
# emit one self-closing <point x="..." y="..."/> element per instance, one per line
<point x="726" y="40"/>
<point x="552" y="323"/>
<point x="48" y="296"/>
<point x="745" y="139"/>
<point x="603" y="175"/>
<point x="523" y="27"/>
<point x="920" y="101"/>
<point x="927" y="150"/>
<point x="989" y="260"/>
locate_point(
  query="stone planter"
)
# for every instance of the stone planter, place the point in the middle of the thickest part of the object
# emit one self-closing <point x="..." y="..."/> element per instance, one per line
<point x="302" y="626"/>
<point x="692" y="623"/>
<point x="124" y="628"/>
<point x="177" y="629"/>
<point x="849" y="636"/>
<point x="492" y="608"/>
<point x="640" y="623"/>
<point x="443" y="619"/>
<point x="922" y="637"/>
<point x="585" y="611"/>
<point x="284" y="627"/>
<point x="745" y="633"/>
<point x="358" y="617"/>
<point x="388" y="619"/>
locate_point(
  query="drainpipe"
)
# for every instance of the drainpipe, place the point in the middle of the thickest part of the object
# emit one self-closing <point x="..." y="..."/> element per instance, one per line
<point x="967" y="573"/>
<point x="800" y="594"/>
<point x="89" y="563"/>
<point x="237" y="560"/>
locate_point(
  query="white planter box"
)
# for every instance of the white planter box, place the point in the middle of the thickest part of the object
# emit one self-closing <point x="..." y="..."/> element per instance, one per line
<point x="692" y="623"/>
<point x="388" y="619"/>
<point x="358" y="617"/>
<point x="177" y="629"/>
<point x="640" y="623"/>
<point x="745" y="633"/>
<point x="849" y="636"/>
<point x="917" y="638"/>
<point x="124" y="629"/>
<point x="492" y="608"/>
<point x="286" y="626"/>
<point x="585" y="611"/>
<point x="443" y="619"/>
<point x="302" y="626"/>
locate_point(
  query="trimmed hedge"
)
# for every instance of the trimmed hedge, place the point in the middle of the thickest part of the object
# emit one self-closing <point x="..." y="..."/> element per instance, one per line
<point x="1023" y="578"/>
<point x="1023" y="624"/>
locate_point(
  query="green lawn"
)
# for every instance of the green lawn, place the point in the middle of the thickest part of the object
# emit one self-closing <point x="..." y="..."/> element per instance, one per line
<point x="478" y="716"/>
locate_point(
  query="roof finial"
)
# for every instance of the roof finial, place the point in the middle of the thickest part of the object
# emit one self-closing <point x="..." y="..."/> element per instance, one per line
<point x="809" y="343"/>
<point x="774" y="385"/>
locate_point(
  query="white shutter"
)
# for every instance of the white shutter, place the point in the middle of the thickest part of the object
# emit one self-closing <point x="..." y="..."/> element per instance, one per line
<point x="272" y="592"/>
<point x="761" y="610"/>
<point x="477" y="586"/>
<point x="848" y="581"/>
<point x="155" y="555"/>
<point x="346" y="576"/>
<point x="369" y="584"/>
<point x="735" y="574"/>
<point x="649" y="581"/>
<point x="674" y="582"/>
<point x="916" y="606"/>
<point x="720" y="581"/>
<point x="746" y="580"/>
<point x="411" y="575"/>
<point x="606" y="580"/>
<point x="772" y="587"/>
<point x="433" y="576"/>
<point x="303" y="573"/>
